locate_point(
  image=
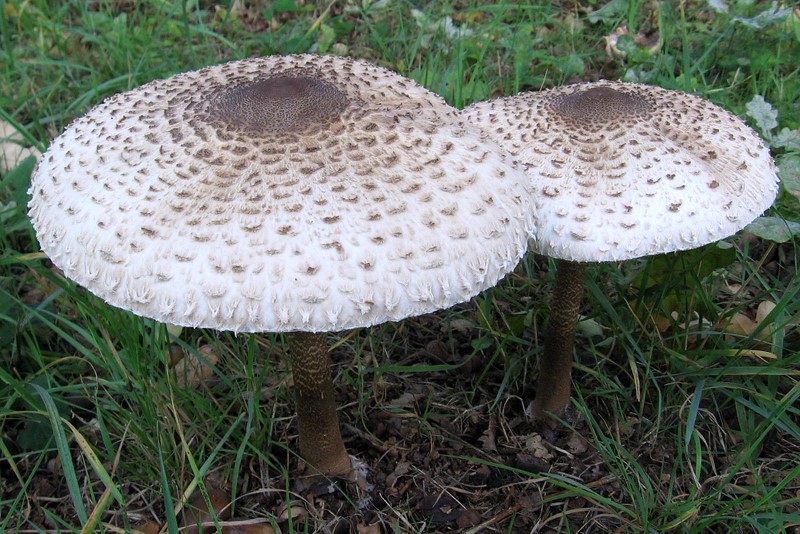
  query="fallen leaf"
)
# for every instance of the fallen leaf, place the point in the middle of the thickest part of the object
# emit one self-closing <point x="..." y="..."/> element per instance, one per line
<point x="174" y="354"/>
<point x="375" y="528"/>
<point x="248" y="528"/>
<point x="147" y="528"/>
<point x="198" y="512"/>
<point x="489" y="438"/>
<point x="405" y="400"/>
<point x="742" y="325"/>
<point x="294" y="511"/>
<point x="439" y="350"/>
<point x="440" y="508"/>
<point x="661" y="322"/>
<point x="589" y="327"/>
<point x="468" y="518"/>
<point x="462" y="326"/>
<point x="530" y="463"/>
<point x="12" y="148"/>
<point x="765" y="307"/>
<point x="535" y="445"/>
<point x="192" y="371"/>
<point x="577" y="444"/>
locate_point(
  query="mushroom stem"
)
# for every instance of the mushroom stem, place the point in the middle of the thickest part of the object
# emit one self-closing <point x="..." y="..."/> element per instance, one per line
<point x="321" y="442"/>
<point x="555" y="370"/>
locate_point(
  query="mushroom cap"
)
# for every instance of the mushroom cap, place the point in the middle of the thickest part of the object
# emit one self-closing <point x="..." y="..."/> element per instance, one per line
<point x="624" y="170"/>
<point x="293" y="193"/>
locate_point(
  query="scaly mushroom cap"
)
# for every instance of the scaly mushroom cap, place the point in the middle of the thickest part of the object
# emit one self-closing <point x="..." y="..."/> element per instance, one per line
<point x="624" y="170"/>
<point x="275" y="194"/>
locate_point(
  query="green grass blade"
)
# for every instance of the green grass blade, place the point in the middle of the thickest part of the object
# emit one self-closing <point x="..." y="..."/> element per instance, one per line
<point x="70" y="476"/>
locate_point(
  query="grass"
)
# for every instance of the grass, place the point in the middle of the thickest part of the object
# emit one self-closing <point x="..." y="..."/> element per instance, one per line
<point x="687" y="423"/>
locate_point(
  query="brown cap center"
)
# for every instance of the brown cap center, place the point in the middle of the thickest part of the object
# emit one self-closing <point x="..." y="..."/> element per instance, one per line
<point x="602" y="105"/>
<point x="284" y="104"/>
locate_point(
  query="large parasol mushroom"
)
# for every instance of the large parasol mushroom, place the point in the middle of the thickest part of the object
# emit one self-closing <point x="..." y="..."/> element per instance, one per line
<point x="300" y="194"/>
<point x="620" y="171"/>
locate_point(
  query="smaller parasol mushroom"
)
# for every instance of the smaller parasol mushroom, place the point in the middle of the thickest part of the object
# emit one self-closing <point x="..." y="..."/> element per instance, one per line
<point x="620" y="171"/>
<point x="298" y="194"/>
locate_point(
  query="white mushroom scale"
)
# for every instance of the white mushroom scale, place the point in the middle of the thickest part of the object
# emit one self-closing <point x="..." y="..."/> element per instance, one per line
<point x="280" y="194"/>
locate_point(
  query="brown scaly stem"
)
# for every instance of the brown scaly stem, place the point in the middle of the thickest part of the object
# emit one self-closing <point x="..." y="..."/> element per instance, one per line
<point x="321" y="442"/>
<point x="555" y="371"/>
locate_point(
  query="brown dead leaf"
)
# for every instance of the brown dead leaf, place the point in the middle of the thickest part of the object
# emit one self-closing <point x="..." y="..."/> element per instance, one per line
<point x="375" y="528"/>
<point x="732" y="288"/>
<point x="401" y="469"/>
<point x="662" y="323"/>
<point x="535" y="445"/>
<point x="468" y="518"/>
<point x="174" y="354"/>
<point x="765" y="307"/>
<point x="577" y="444"/>
<point x="439" y="350"/>
<point x="406" y="400"/>
<point x="462" y="326"/>
<point x="198" y="512"/>
<point x="294" y="511"/>
<point x="742" y="325"/>
<point x="147" y="528"/>
<point x="248" y="528"/>
<point x="489" y="438"/>
<point x="192" y="371"/>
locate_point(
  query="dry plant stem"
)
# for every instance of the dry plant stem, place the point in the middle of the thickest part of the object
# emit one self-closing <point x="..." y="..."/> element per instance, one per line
<point x="555" y="371"/>
<point x="321" y="442"/>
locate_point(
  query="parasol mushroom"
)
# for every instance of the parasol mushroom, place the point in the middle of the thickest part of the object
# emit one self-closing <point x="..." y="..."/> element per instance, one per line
<point x="298" y="194"/>
<point x="621" y="171"/>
